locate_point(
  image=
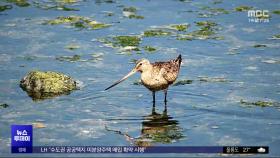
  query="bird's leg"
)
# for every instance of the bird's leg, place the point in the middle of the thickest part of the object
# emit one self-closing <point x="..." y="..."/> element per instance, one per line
<point x="165" y="96"/>
<point x="154" y="98"/>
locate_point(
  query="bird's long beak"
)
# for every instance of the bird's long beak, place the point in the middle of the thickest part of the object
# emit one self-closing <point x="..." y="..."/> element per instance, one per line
<point x="133" y="71"/>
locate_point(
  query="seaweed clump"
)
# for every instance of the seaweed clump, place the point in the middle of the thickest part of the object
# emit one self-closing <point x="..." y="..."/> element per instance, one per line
<point x="42" y="85"/>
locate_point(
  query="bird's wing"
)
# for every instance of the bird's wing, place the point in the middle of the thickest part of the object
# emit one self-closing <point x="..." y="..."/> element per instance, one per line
<point x="169" y="70"/>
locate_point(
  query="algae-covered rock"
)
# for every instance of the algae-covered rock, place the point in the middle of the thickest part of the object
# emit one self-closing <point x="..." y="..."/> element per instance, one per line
<point x="41" y="85"/>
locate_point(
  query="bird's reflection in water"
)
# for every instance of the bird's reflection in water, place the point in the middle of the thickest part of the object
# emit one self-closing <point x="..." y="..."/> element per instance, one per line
<point x="156" y="129"/>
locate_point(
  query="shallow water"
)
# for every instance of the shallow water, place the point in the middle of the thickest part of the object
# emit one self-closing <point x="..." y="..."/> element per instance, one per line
<point x="200" y="113"/>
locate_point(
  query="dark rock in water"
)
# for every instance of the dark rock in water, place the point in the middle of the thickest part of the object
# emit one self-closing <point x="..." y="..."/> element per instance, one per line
<point x="42" y="85"/>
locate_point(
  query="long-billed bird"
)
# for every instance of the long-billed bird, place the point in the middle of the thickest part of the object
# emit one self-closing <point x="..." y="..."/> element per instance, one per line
<point x="155" y="76"/>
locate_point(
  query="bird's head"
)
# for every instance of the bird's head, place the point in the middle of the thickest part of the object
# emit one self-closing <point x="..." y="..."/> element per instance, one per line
<point x="141" y="65"/>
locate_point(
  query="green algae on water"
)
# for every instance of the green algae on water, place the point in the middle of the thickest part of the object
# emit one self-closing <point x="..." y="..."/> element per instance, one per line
<point x="124" y="41"/>
<point x="180" y="27"/>
<point x="134" y="16"/>
<point x="259" y="103"/>
<point x="243" y="8"/>
<point x="5" y="7"/>
<point x="19" y="3"/>
<point x="207" y="30"/>
<point x="182" y="82"/>
<point x="130" y="9"/>
<point x="149" y="48"/>
<point x="77" y="22"/>
<point x="4" y="105"/>
<point x="276" y="12"/>
<point x="72" y="46"/>
<point x="277" y="36"/>
<point x="259" y="46"/>
<point x="212" y="79"/>
<point x="130" y="12"/>
<point x="156" y="32"/>
<point x="69" y="58"/>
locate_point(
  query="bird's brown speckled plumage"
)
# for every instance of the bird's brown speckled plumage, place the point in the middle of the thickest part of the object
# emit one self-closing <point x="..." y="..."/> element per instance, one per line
<point x="156" y="76"/>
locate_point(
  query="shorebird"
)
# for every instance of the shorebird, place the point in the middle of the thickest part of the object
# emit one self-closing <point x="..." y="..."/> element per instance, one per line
<point x="155" y="76"/>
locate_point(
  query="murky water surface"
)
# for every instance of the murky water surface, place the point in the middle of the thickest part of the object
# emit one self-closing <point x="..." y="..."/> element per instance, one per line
<point x="232" y="63"/>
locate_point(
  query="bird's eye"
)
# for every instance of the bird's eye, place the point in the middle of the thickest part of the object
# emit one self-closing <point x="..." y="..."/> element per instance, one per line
<point x="140" y="64"/>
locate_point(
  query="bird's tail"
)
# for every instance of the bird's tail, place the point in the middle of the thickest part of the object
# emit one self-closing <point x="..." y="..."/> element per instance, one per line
<point x="179" y="60"/>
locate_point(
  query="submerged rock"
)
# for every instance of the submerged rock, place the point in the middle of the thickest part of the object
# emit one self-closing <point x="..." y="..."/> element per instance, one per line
<point x="41" y="85"/>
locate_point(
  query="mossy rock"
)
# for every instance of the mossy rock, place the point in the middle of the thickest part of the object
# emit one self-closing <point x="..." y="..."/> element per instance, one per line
<point x="41" y="85"/>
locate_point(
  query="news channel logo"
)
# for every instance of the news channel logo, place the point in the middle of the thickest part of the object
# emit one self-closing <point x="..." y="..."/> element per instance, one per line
<point x="21" y="138"/>
<point x="258" y="16"/>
